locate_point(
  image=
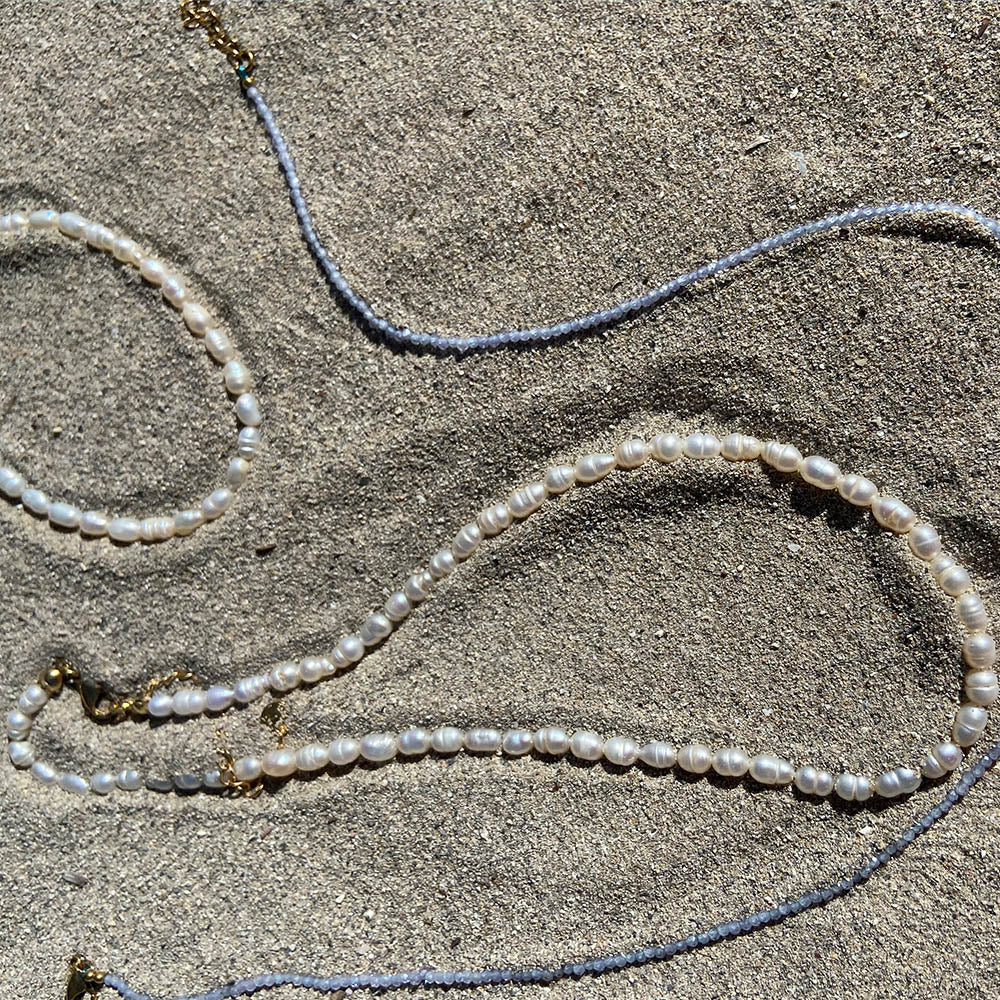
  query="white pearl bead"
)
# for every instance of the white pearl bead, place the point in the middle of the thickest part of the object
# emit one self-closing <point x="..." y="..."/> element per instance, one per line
<point x="160" y="705"/>
<point x="65" y="515"/>
<point x="658" y="754"/>
<point x="196" y="318"/>
<point x="857" y="490"/>
<point x="36" y="501"/>
<point x="33" y="699"/>
<point x="237" y="377"/>
<point x="74" y="784"/>
<point x="21" y="753"/>
<point x="740" y="448"/>
<point x="152" y="271"/>
<point x="248" y="442"/>
<point x="17" y="722"/>
<point x="279" y="763"/>
<point x="666" y="448"/>
<point x="397" y="607"/>
<point x="970" y="723"/>
<point x="494" y="519"/>
<point x="102" y="783"/>
<point x="378" y="747"/>
<point x="812" y="781"/>
<point x="621" y="750"/>
<point x="128" y="780"/>
<point x="12" y="483"/>
<point x="173" y="291"/>
<point x="887" y="785"/>
<point x="632" y="453"/>
<point x="591" y="468"/>
<point x="783" y="457"/>
<point x="972" y="612"/>
<point x="248" y="410"/>
<point x="127" y="251"/>
<point x="527" y="500"/>
<point x="44" y="218"/>
<point x="248" y="768"/>
<point x="853" y="787"/>
<point x="43" y="773"/>
<point x="945" y="757"/>
<point x="466" y="541"/>
<point x="189" y="701"/>
<point x="702" y="446"/>
<point x="893" y="514"/>
<point x="284" y="677"/>
<point x="93" y="522"/>
<point x="249" y="689"/>
<point x="351" y="648"/>
<point x="820" y="472"/>
<point x="186" y="521"/>
<point x="517" y="742"/>
<point x="312" y="757"/>
<point x="413" y="742"/>
<point x="72" y="225"/>
<point x="217" y="503"/>
<point x="981" y="687"/>
<point x="586" y="745"/>
<point x="157" y="529"/>
<point x="219" y="347"/>
<point x="93" y="234"/>
<point x="730" y="762"/>
<point x="417" y="588"/>
<point x="770" y="770"/>
<point x="125" y="529"/>
<point x="559" y="479"/>
<point x="344" y="751"/>
<point x="219" y="697"/>
<point x="442" y="564"/>
<point x="552" y="740"/>
<point x="696" y="758"/>
<point x="483" y="740"/>
<point x="954" y="580"/>
<point x="447" y="739"/>
<point x="314" y="668"/>
<point x="924" y="541"/>
<point x="237" y="472"/>
<point x="375" y="628"/>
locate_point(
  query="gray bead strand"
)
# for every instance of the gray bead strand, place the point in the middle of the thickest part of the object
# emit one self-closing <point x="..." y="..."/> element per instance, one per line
<point x="381" y="982"/>
<point x="603" y="319"/>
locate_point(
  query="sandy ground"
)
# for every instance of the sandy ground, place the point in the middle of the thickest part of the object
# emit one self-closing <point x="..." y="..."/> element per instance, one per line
<point x="474" y="169"/>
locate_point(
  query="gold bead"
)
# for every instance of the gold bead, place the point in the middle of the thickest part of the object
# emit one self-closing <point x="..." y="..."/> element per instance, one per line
<point x="51" y="679"/>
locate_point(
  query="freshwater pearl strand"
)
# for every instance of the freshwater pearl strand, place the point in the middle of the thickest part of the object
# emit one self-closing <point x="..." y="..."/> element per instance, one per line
<point x="602" y="319"/>
<point x="235" y="376"/>
<point x="978" y="649"/>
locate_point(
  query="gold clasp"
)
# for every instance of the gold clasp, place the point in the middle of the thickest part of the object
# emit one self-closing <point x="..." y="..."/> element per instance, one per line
<point x="201" y="14"/>
<point x="84" y="979"/>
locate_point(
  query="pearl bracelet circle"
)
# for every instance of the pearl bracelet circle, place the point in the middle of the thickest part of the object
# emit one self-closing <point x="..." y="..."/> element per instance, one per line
<point x="978" y="650"/>
<point x="236" y="377"/>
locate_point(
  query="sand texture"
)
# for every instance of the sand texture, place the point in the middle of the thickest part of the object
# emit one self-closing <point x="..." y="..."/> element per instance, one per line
<point x="474" y="167"/>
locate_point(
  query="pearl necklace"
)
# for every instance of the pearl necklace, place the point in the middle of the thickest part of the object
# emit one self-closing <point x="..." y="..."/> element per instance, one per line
<point x="248" y="772"/>
<point x="236" y="378"/>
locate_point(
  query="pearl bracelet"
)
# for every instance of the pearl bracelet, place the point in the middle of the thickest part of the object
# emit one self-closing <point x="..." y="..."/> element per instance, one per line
<point x="978" y="650"/>
<point x="236" y="378"/>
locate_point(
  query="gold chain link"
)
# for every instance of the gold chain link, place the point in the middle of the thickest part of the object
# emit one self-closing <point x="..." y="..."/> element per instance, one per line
<point x="247" y="789"/>
<point x="201" y="14"/>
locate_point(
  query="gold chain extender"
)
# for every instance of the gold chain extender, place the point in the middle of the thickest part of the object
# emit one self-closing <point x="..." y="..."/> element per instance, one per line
<point x="201" y="14"/>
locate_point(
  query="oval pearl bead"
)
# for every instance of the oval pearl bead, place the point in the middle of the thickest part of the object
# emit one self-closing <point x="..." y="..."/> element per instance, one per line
<point x="248" y="689"/>
<point x="127" y="251"/>
<point x="413" y="742"/>
<point x="702" y="446"/>
<point x="696" y="758"/>
<point x="32" y="699"/>
<point x="237" y="377"/>
<point x="621" y="750"/>
<point x="559" y="479"/>
<point x="740" y="448"/>
<point x="591" y="468"/>
<point x="494" y="519"/>
<point x="517" y="742"/>
<point x="21" y="753"/>
<point x="658" y="754"/>
<point x="887" y="785"/>
<point x="196" y="318"/>
<point x="352" y="648"/>
<point x="12" y="483"/>
<point x="632" y="453"/>
<point x="218" y="698"/>
<point x="160" y="705"/>
<point x="770" y="770"/>
<point x="74" y="784"/>
<point x="65" y="515"/>
<point x="284" y="677"/>
<point x="219" y="347"/>
<point x="979" y="650"/>
<point x="442" y="564"/>
<point x="279" y="763"/>
<point x="248" y="442"/>
<point x="586" y="745"/>
<point x="893" y="514"/>
<point x="237" y="472"/>
<point x="248" y="768"/>
<point x="527" y="500"/>
<point x="924" y="541"/>
<point x="857" y="490"/>
<point x="397" y="607"/>
<point x="483" y="740"/>
<point x="186" y="521"/>
<point x="972" y="612"/>
<point x="820" y="472"/>
<point x="173" y="291"/>
<point x="954" y="580"/>
<point x="730" y="762"/>
<point x="152" y="271"/>
<point x="447" y="739"/>
<point x="248" y="410"/>
<point x="812" y="781"/>
<point x="344" y="751"/>
<point x="157" y="529"/>
<point x="102" y="783"/>
<point x="853" y="787"/>
<point x="981" y="687"/>
<point x="125" y="529"/>
<point x="783" y="457"/>
<point x="466" y="541"/>
<point x="44" y="218"/>
<point x="217" y="503"/>
<point x="18" y="722"/>
<point x="44" y="773"/>
<point x="666" y="448"/>
<point x="376" y="627"/>
<point x="72" y="225"/>
<point x="944" y="758"/>
<point x="128" y="780"/>
<point x="93" y="522"/>
<point x="312" y="757"/>
<point x="189" y="702"/>
<point x="552" y="740"/>
<point x="314" y="668"/>
<point x="36" y="501"/>
<point x="970" y="724"/>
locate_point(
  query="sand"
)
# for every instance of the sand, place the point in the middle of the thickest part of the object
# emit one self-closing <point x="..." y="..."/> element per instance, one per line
<point x="475" y="169"/>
